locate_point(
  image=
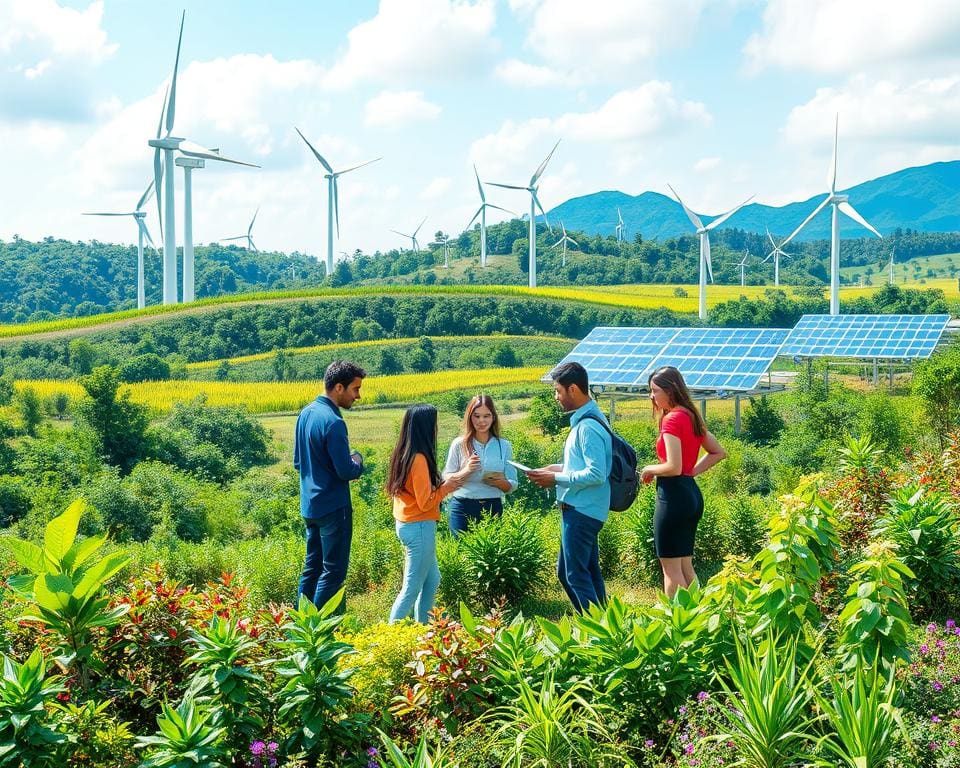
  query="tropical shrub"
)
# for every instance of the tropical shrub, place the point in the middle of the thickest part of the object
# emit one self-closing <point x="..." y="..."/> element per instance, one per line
<point x="187" y="736"/>
<point x="26" y="737"/>
<point x="98" y="738"/>
<point x="762" y="423"/>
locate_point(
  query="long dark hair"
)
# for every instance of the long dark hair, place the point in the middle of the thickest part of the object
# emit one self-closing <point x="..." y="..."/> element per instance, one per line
<point x="418" y="434"/>
<point x="468" y="432"/>
<point x="670" y="380"/>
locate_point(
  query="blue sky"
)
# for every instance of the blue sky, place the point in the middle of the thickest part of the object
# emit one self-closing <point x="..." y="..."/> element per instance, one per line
<point x="722" y="99"/>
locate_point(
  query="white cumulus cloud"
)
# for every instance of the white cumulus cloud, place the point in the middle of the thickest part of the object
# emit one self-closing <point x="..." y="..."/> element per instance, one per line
<point x="437" y="188"/>
<point x="845" y="36"/>
<point x="395" y="109"/>
<point x="415" y="40"/>
<point x="706" y="164"/>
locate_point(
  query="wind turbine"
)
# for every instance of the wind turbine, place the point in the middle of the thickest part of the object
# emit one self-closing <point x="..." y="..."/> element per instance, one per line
<point x="192" y="157"/>
<point x="482" y="213"/>
<point x="142" y="233"/>
<point x="893" y="252"/>
<point x="534" y="204"/>
<point x="445" y="242"/>
<point x="743" y="266"/>
<point x="413" y="237"/>
<point x="775" y="254"/>
<point x="704" y="231"/>
<point x="333" y="205"/>
<point x="563" y="241"/>
<point x="247" y="237"/>
<point x="619" y="227"/>
<point x="168" y="144"/>
<point x="840" y="205"/>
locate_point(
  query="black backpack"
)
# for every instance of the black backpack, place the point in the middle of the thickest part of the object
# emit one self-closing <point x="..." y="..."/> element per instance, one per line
<point x="624" y="480"/>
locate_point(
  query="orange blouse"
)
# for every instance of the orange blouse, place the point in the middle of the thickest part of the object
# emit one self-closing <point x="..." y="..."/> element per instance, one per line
<point x="419" y="500"/>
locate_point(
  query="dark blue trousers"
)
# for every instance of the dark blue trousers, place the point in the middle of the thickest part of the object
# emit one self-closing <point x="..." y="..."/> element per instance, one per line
<point x="463" y="512"/>
<point x="328" y="556"/>
<point x="578" y="567"/>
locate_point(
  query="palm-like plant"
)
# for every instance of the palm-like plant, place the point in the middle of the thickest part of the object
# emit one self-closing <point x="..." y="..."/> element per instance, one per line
<point x="392" y="756"/>
<point x="187" y="737"/>
<point x="553" y="728"/>
<point x="864" y="717"/>
<point x="25" y="738"/>
<point x="768" y="714"/>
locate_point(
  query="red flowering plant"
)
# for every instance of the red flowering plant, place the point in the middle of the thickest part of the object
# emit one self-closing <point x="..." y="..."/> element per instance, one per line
<point x="940" y="470"/>
<point x="450" y="671"/>
<point x="146" y="651"/>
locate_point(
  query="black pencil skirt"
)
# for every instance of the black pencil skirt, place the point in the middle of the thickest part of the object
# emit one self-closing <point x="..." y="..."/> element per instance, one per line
<point x="678" y="510"/>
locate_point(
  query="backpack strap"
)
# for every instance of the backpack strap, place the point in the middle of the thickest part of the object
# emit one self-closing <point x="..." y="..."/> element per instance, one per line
<point x="601" y="422"/>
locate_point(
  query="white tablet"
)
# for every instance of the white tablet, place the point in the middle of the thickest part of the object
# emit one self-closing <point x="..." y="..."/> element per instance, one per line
<point x="520" y="466"/>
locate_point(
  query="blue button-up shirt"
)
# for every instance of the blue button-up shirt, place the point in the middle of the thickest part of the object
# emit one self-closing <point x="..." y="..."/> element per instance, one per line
<point x="321" y="454"/>
<point x="584" y="483"/>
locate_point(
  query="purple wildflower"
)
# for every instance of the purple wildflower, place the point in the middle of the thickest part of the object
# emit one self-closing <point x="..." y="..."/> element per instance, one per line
<point x="937" y="685"/>
<point x="257" y="748"/>
<point x="703" y="696"/>
<point x="931" y="627"/>
<point x="649" y="744"/>
<point x="924" y="648"/>
<point x="934" y="719"/>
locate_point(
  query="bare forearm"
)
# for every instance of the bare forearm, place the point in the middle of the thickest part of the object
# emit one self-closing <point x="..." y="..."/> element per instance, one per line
<point x="706" y="461"/>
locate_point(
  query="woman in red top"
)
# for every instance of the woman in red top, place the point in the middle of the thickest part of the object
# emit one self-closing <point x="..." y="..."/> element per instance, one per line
<point x="679" y="501"/>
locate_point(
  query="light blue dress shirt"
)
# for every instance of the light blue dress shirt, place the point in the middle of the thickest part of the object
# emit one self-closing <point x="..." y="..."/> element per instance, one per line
<point x="584" y="482"/>
<point x="494" y="456"/>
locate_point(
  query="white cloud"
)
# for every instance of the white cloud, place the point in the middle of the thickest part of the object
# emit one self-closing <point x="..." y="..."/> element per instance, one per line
<point x="48" y="55"/>
<point x="417" y="39"/>
<point x="437" y="188"/>
<point x="706" y="164"/>
<point x="519" y="73"/>
<point x="394" y="109"/>
<point x="925" y="111"/>
<point x="607" y="38"/>
<point x="847" y="35"/>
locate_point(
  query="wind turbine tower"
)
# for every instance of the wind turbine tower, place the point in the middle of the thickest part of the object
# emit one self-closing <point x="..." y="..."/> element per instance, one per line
<point x="168" y="144"/>
<point x="333" y="206"/>
<point x="248" y="237"/>
<point x="563" y="242"/>
<point x="534" y="204"/>
<point x="743" y="266"/>
<point x="840" y="204"/>
<point x="482" y="213"/>
<point x="775" y="254"/>
<point x="704" y="231"/>
<point x="415" y="245"/>
<point x="142" y="233"/>
<point x="619" y="227"/>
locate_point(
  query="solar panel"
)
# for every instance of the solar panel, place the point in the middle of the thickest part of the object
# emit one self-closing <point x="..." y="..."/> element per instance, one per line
<point x="721" y="358"/>
<point x="709" y="358"/>
<point x="886" y="337"/>
<point x="617" y="356"/>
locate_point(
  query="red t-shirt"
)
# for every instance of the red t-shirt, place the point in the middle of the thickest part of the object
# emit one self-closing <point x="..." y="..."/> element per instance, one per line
<point x="678" y="422"/>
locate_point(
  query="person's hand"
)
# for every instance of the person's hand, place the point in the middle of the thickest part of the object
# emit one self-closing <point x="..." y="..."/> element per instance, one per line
<point x="646" y="475"/>
<point x="545" y="478"/>
<point x="495" y="479"/>
<point x="472" y="465"/>
<point x="357" y="458"/>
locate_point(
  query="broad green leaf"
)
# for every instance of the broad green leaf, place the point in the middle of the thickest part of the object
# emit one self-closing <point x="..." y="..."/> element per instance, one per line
<point x="53" y="591"/>
<point x="466" y="618"/>
<point x="61" y="532"/>
<point x="29" y="555"/>
<point x="100" y="573"/>
<point x="81" y="551"/>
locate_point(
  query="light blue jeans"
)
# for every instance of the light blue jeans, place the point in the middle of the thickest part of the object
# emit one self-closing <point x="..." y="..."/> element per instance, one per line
<point x="421" y="574"/>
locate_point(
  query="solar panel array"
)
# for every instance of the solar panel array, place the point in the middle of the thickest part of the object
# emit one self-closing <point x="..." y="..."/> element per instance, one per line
<point x="885" y="337"/>
<point x="736" y="359"/>
<point x="708" y="358"/>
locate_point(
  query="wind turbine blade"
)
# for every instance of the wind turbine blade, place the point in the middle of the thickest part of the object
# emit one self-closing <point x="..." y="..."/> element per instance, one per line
<point x="172" y="106"/>
<point x="402" y="234"/>
<point x="107" y="214"/>
<point x="483" y="198"/>
<point x="316" y="154"/>
<point x="536" y="200"/>
<point x="619" y="217"/>
<point x="475" y="216"/>
<point x="705" y="247"/>
<point x="192" y="149"/>
<point x="720" y="219"/>
<point x="850" y="211"/>
<point x="158" y="164"/>
<point x="543" y="165"/>
<point x="253" y="246"/>
<point x="572" y="241"/>
<point x="505" y="186"/>
<point x="145" y="196"/>
<point x="420" y="225"/>
<point x="491" y="205"/>
<point x="142" y="226"/>
<point x="354" y="167"/>
<point x="228" y="239"/>
<point x="769" y="256"/>
<point x="336" y="204"/>
<point x="807" y="220"/>
<point x="832" y="177"/>
<point x="770" y="237"/>
<point x="694" y="219"/>
<point x="559" y="242"/>
<point x="250" y="228"/>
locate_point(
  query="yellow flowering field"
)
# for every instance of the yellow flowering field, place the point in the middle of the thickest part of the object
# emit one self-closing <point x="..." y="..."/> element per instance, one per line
<point x="274" y="397"/>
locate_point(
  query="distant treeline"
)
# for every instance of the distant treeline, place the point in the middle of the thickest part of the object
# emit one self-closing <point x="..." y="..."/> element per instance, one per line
<point x="58" y="278"/>
<point x="234" y="331"/>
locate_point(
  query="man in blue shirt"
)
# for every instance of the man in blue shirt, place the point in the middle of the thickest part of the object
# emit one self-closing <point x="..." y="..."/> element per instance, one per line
<point x="583" y="487"/>
<point x="322" y="456"/>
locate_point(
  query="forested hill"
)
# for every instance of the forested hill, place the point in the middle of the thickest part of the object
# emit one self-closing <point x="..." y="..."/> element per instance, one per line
<point x="925" y="199"/>
<point x="57" y="278"/>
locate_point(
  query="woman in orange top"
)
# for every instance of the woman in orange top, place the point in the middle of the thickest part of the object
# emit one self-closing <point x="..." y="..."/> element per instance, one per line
<point x="417" y="490"/>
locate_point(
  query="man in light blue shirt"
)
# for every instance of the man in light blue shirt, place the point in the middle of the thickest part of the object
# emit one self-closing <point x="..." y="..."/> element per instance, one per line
<point x="583" y="487"/>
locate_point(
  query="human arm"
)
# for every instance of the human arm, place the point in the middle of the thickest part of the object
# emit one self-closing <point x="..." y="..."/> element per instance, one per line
<point x="424" y="494"/>
<point x="715" y="453"/>
<point x="338" y="449"/>
<point x="591" y="444"/>
<point x="506" y="481"/>
<point x="673" y="465"/>
<point x="453" y="459"/>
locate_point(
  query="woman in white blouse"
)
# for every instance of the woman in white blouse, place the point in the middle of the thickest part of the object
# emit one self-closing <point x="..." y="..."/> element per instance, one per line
<point x="479" y="444"/>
